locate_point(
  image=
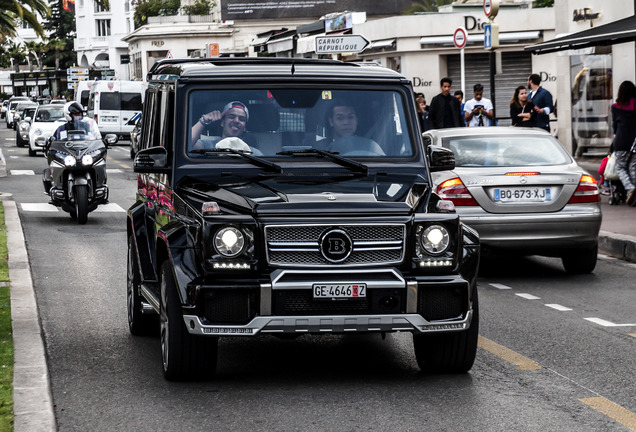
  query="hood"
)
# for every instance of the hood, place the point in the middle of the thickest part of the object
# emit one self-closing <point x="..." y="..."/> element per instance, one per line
<point x="287" y="195"/>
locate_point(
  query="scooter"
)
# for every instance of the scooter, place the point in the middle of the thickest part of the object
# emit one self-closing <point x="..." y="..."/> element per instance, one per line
<point x="76" y="176"/>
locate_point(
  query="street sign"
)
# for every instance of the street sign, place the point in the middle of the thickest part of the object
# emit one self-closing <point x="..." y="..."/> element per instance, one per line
<point x="460" y="37"/>
<point x="491" y="8"/>
<point x="212" y="50"/>
<point x="340" y="44"/>
<point x="491" y="36"/>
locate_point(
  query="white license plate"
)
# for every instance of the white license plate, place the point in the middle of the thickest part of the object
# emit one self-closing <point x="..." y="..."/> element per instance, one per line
<point x="341" y="291"/>
<point x="523" y="194"/>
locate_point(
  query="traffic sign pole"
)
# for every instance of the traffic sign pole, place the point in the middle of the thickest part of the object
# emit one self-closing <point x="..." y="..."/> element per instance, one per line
<point x="460" y="38"/>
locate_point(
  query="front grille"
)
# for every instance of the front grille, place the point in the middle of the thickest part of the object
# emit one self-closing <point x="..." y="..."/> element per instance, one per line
<point x="442" y="302"/>
<point x="230" y="306"/>
<point x="299" y="245"/>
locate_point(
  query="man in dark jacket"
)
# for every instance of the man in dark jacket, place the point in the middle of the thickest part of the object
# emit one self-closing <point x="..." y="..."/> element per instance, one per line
<point x="444" y="110"/>
<point x="542" y="100"/>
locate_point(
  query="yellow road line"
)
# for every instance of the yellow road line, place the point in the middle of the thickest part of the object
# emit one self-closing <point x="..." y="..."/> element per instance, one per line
<point x="612" y="410"/>
<point x="632" y="334"/>
<point x="522" y="363"/>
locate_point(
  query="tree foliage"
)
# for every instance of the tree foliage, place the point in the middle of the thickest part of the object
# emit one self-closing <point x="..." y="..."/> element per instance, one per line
<point x="14" y="12"/>
<point x="200" y="7"/>
<point x="150" y="8"/>
<point x="543" y="3"/>
<point x="61" y="26"/>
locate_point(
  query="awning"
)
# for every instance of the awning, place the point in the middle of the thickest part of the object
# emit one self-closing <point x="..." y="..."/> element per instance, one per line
<point x="307" y="44"/>
<point x="281" y="44"/>
<point x="608" y="34"/>
<point x="508" y="37"/>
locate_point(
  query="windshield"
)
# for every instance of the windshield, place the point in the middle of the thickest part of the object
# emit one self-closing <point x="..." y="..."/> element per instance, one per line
<point x="266" y="122"/>
<point x="50" y="113"/>
<point x="513" y="150"/>
<point x="84" y="128"/>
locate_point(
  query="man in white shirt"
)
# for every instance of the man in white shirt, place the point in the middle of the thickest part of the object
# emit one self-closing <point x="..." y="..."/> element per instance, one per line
<point x="478" y="111"/>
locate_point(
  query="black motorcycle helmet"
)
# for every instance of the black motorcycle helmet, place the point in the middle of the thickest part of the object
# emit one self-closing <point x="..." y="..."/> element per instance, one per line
<point x="71" y="109"/>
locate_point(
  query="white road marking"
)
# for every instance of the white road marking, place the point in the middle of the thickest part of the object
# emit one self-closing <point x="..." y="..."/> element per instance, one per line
<point x="38" y="207"/>
<point x="528" y="296"/>
<point x="608" y="323"/>
<point x="113" y="170"/>
<point x="500" y="286"/>
<point x="22" y="172"/>
<point x="559" y="307"/>
<point x="46" y="207"/>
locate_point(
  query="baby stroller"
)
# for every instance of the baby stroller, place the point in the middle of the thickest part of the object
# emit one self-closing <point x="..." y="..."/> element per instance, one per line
<point x="609" y="177"/>
<point x="617" y="192"/>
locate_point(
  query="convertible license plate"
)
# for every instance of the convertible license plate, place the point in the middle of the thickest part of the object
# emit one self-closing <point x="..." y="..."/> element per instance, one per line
<point x="523" y="194"/>
<point x="340" y="291"/>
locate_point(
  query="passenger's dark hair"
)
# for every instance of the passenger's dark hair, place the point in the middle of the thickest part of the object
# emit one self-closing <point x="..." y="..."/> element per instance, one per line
<point x="626" y="91"/>
<point x="515" y="98"/>
<point x="458" y="92"/>
<point x="478" y="87"/>
<point x="445" y="79"/>
<point x="535" y="79"/>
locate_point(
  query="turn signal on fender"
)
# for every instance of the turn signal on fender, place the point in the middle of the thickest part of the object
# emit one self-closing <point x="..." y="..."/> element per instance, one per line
<point x="586" y="192"/>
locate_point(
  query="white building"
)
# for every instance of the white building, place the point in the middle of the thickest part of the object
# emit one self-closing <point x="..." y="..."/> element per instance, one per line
<point x="99" y="34"/>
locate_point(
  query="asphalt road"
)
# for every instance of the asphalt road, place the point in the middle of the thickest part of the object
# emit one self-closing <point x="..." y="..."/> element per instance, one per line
<point x="558" y="352"/>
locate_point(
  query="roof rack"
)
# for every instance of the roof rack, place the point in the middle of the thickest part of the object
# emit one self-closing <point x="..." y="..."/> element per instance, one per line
<point x="243" y="60"/>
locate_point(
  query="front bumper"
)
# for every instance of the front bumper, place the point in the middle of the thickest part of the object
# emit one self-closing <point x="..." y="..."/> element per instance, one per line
<point x="286" y="305"/>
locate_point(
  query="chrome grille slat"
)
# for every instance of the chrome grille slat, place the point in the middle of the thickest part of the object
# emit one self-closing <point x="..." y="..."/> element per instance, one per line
<point x="299" y="245"/>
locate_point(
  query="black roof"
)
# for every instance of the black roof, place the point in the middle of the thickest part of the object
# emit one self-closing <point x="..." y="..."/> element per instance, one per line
<point x="267" y="68"/>
<point x="616" y="32"/>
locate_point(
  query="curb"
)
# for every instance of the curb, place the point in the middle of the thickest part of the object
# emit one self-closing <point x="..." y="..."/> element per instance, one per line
<point x="32" y="398"/>
<point x="620" y="246"/>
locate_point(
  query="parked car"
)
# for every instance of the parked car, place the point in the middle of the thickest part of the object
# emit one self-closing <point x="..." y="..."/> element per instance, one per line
<point x="13" y="103"/>
<point x="19" y="110"/>
<point x="47" y="119"/>
<point x="135" y="136"/>
<point x="59" y="101"/>
<point x="271" y="236"/>
<point x="22" y="130"/>
<point x="522" y="191"/>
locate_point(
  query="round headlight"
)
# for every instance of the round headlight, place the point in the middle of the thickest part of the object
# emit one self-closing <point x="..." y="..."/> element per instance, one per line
<point x="435" y="239"/>
<point x="87" y="160"/>
<point x="69" y="161"/>
<point x="229" y="241"/>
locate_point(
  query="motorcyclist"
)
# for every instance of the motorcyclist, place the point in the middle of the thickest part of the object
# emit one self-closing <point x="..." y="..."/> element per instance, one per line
<point x="76" y="121"/>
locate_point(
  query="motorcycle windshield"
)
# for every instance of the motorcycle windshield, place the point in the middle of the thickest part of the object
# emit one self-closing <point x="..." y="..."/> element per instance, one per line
<point x="84" y="128"/>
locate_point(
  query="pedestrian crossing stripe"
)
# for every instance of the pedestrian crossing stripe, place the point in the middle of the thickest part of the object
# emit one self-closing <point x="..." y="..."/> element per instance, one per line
<point x="31" y="172"/>
<point x="46" y="207"/>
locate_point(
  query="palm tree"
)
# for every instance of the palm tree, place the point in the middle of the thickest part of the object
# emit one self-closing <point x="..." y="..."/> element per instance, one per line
<point x="16" y="52"/>
<point x="57" y="45"/>
<point x="30" y="49"/>
<point x="40" y="49"/>
<point x="12" y="12"/>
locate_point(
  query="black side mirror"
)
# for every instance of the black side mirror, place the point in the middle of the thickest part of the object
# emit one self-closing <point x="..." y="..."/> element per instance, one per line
<point x="440" y="158"/>
<point x="152" y="160"/>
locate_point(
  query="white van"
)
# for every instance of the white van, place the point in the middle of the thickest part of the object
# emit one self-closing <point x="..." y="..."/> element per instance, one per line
<point x="114" y="105"/>
<point x="82" y="92"/>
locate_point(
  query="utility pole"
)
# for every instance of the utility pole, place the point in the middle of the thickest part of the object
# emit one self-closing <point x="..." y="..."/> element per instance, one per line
<point x="491" y="41"/>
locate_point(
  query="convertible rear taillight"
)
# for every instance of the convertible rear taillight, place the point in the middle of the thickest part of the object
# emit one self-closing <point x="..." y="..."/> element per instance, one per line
<point x="454" y="190"/>
<point x="586" y="192"/>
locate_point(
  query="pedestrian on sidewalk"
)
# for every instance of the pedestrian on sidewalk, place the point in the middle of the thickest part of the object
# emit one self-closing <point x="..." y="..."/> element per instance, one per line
<point x="444" y="110"/>
<point x="624" y="127"/>
<point x="542" y="100"/>
<point x="478" y="111"/>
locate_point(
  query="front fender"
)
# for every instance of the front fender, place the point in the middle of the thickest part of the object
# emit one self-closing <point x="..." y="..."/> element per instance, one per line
<point x="179" y="245"/>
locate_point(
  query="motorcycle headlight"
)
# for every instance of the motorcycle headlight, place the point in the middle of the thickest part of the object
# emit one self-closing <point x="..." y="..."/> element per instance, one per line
<point x="87" y="160"/>
<point x="229" y="241"/>
<point x="434" y="239"/>
<point x="69" y="161"/>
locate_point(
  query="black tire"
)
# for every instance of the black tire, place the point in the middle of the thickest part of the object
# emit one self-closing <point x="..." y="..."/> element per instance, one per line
<point x="581" y="261"/>
<point x="450" y="352"/>
<point x="139" y="324"/>
<point x="32" y="152"/>
<point x="184" y="356"/>
<point x="80" y="194"/>
<point x="18" y="140"/>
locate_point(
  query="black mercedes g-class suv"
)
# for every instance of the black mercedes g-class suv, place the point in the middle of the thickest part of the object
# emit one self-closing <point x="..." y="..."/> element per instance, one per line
<point x="293" y="196"/>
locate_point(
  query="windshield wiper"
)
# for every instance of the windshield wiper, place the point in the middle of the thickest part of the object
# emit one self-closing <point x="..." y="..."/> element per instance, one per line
<point x="343" y="161"/>
<point x="263" y="163"/>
